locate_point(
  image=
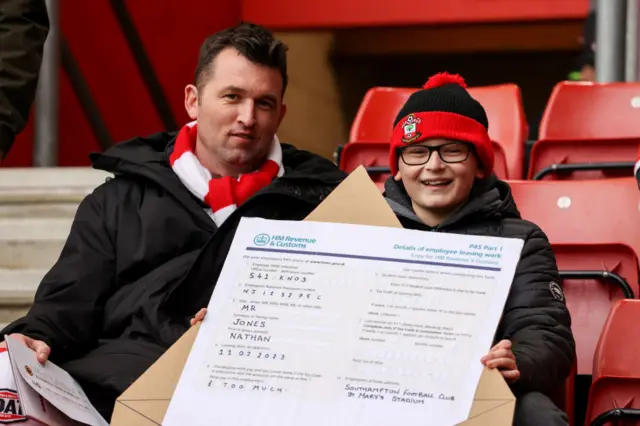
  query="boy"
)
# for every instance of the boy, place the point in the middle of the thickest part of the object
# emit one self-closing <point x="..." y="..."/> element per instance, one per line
<point x="441" y="159"/>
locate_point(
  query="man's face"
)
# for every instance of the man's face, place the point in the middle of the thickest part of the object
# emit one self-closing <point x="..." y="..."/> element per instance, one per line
<point x="437" y="187"/>
<point x="238" y="109"/>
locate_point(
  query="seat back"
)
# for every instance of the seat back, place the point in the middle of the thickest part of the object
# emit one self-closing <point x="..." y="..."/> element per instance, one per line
<point x="616" y="370"/>
<point x="503" y="104"/>
<point x="372" y="155"/>
<point x="588" y="123"/>
<point x="593" y="227"/>
<point x="589" y="297"/>
<point x="374" y="120"/>
<point x="508" y="126"/>
<point x="583" y="212"/>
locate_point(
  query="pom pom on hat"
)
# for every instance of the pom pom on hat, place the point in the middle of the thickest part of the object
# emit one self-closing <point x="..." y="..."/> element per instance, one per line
<point x="444" y="78"/>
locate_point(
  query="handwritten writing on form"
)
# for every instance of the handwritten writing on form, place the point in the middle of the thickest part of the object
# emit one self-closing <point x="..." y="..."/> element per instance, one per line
<point x="321" y="323"/>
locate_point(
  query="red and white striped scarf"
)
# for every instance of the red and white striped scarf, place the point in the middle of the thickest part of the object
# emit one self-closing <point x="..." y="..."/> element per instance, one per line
<point x="223" y="194"/>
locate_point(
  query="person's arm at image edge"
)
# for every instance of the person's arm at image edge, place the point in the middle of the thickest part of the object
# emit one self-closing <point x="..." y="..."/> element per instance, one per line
<point x="24" y="26"/>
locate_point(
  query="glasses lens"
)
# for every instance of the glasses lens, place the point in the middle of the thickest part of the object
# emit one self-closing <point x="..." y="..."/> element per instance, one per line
<point x="454" y="152"/>
<point x="415" y="155"/>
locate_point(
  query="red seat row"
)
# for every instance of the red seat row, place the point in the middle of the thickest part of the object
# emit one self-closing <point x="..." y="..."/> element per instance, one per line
<point x="594" y="228"/>
<point x="373" y="124"/>
<point x="588" y="131"/>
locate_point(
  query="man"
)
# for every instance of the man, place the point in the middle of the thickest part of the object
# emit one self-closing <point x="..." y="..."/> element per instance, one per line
<point x="24" y="26"/>
<point x="146" y="248"/>
<point x="441" y="159"/>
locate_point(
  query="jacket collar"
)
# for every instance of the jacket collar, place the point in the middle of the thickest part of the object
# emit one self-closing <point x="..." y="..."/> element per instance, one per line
<point x="489" y="198"/>
<point x="306" y="174"/>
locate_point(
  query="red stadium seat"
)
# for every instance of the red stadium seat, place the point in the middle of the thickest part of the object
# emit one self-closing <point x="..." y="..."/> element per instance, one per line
<point x="374" y="120"/>
<point x="594" y="228"/>
<point x="588" y="131"/>
<point x="614" y="397"/>
<point x="372" y="155"/>
<point x="503" y="104"/>
<point x="508" y="126"/>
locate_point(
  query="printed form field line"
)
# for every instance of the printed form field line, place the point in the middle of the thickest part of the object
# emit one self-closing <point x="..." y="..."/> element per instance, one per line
<point x="375" y="258"/>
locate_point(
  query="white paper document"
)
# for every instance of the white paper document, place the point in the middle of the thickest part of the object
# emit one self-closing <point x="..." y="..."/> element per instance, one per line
<point x="47" y="392"/>
<point x="322" y="324"/>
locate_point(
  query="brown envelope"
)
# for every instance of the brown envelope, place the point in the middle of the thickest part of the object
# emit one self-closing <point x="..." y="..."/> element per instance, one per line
<point x="357" y="200"/>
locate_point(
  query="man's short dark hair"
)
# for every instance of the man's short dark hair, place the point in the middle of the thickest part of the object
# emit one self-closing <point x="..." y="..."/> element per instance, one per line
<point x="254" y="42"/>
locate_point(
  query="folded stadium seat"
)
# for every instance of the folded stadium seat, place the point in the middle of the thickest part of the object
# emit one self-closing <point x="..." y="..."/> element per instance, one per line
<point x="507" y="124"/>
<point x="588" y="131"/>
<point x="372" y="155"/>
<point x="614" y="397"/>
<point x="374" y="120"/>
<point x="594" y="228"/>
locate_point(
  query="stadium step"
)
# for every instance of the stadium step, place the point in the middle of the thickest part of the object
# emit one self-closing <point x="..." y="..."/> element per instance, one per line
<point x="46" y="192"/>
<point x="17" y="289"/>
<point x="37" y="206"/>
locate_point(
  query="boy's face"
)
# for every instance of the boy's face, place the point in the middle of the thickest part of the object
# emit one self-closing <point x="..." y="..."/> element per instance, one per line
<point x="438" y="187"/>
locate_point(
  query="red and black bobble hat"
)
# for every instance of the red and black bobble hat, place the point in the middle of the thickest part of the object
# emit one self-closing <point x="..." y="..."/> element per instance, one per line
<point x="442" y="109"/>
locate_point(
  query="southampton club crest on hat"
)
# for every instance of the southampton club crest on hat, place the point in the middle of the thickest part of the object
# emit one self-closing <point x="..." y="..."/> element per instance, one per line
<point x="410" y="127"/>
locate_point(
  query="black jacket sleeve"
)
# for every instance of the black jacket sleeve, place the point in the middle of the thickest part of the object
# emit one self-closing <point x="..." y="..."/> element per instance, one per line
<point x="24" y="25"/>
<point x="537" y="321"/>
<point x="68" y="308"/>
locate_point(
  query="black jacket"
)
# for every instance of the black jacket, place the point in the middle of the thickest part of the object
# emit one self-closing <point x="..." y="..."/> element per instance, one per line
<point x="142" y="258"/>
<point x="536" y="321"/>
<point x="24" y="26"/>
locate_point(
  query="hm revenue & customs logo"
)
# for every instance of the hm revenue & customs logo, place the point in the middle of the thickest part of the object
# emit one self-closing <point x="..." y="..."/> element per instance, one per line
<point x="261" y="240"/>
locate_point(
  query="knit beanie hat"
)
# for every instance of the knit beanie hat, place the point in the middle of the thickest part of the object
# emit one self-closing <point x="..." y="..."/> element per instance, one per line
<point x="442" y="109"/>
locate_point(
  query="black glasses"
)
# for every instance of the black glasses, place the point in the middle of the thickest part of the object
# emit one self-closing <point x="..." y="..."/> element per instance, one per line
<point x="452" y="152"/>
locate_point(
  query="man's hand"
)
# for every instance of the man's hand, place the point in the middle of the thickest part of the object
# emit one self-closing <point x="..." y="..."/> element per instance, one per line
<point x="41" y="349"/>
<point x="502" y="358"/>
<point x="199" y="316"/>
